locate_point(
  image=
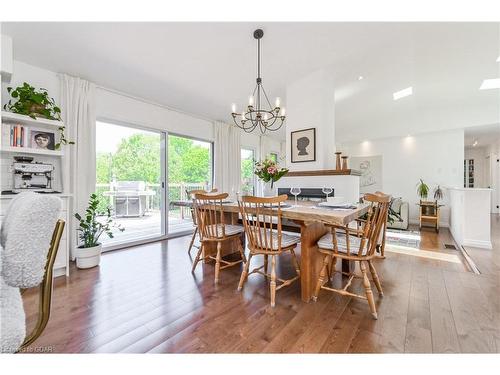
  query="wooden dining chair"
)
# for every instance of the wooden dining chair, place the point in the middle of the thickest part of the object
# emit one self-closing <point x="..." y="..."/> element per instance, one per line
<point x="356" y="245"/>
<point x="262" y="222"/>
<point x="213" y="229"/>
<point x="190" y="194"/>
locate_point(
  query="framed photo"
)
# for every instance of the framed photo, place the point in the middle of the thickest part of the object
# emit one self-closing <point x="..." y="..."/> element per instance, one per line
<point x="42" y="139"/>
<point x="303" y="144"/>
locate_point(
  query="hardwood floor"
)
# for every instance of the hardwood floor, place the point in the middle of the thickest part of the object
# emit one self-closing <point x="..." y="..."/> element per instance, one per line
<point x="145" y="299"/>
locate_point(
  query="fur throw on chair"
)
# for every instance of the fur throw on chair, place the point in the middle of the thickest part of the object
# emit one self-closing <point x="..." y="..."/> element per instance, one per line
<point x="24" y="243"/>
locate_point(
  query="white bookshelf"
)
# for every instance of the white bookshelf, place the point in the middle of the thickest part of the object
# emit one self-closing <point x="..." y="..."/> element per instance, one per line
<point x="30" y="150"/>
<point x="14" y="118"/>
<point x="58" y="158"/>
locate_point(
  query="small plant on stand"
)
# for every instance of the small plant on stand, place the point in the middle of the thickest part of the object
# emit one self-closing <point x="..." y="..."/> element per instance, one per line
<point x="422" y="190"/>
<point x="88" y="253"/>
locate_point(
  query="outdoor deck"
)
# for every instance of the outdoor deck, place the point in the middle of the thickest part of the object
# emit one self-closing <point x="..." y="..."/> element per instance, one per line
<point x="147" y="226"/>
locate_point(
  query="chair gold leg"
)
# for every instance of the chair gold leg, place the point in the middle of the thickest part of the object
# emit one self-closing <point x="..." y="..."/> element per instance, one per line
<point x="244" y="273"/>
<point x="217" y="262"/>
<point x="197" y="259"/>
<point x="265" y="264"/>
<point x="192" y="239"/>
<point x="273" y="280"/>
<point x="295" y="262"/>
<point x="242" y="251"/>
<point x="368" y="290"/>
<point x="375" y="278"/>
<point x="322" y="275"/>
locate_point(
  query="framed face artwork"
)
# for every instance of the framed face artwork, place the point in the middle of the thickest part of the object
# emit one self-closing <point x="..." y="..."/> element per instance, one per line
<point x="303" y="143"/>
<point x="42" y="139"/>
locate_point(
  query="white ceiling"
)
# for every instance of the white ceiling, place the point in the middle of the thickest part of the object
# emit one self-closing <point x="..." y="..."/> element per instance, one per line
<point x="485" y="135"/>
<point x="204" y="67"/>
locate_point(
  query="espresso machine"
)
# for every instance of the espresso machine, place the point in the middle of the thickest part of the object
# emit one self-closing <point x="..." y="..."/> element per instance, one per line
<point x="31" y="176"/>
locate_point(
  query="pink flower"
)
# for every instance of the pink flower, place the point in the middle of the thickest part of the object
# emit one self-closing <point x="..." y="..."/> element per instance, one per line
<point x="271" y="170"/>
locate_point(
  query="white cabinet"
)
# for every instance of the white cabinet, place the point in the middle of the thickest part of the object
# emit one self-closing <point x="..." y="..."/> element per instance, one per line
<point x="61" y="265"/>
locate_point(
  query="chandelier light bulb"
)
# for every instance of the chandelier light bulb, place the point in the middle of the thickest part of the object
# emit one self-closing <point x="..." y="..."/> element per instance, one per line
<point x="277" y="102"/>
<point x="265" y="117"/>
<point x="282" y="112"/>
<point x="250" y="101"/>
<point x="233" y="108"/>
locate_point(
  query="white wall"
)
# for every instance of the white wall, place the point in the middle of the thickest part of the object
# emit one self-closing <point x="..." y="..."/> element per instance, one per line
<point x="437" y="158"/>
<point x="311" y="104"/>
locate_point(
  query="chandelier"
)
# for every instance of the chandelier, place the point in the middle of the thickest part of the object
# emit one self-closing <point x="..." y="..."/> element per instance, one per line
<point x="259" y="112"/>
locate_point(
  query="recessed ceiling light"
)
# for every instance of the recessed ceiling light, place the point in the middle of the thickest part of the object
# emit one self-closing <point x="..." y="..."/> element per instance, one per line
<point x="360" y="78"/>
<point x="490" y="84"/>
<point x="402" y="93"/>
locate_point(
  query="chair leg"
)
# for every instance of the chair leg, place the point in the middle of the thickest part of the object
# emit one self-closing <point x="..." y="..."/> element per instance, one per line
<point x="242" y="251"/>
<point x="197" y="259"/>
<point x="375" y="278"/>
<point x="265" y="264"/>
<point x="295" y="262"/>
<point x="244" y="273"/>
<point x="322" y="275"/>
<point x="273" y="280"/>
<point x="192" y="239"/>
<point x="368" y="290"/>
<point x="217" y="262"/>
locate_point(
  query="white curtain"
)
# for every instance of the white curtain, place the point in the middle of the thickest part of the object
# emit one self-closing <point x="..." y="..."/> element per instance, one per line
<point x="227" y="158"/>
<point x="78" y="111"/>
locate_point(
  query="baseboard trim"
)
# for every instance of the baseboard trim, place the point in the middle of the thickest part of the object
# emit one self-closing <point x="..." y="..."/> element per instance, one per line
<point x="478" y="243"/>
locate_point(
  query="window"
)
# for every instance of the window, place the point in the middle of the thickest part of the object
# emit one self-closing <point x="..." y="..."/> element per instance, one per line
<point x="189" y="168"/>
<point x="129" y="181"/>
<point x="247" y="175"/>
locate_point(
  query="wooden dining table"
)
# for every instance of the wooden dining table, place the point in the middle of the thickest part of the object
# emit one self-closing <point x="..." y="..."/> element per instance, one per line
<point x="311" y="221"/>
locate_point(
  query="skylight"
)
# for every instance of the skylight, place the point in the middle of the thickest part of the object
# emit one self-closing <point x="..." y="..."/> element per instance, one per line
<point x="490" y="84"/>
<point x="401" y="94"/>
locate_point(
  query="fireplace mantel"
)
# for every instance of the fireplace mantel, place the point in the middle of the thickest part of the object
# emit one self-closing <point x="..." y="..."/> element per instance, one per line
<point x="324" y="172"/>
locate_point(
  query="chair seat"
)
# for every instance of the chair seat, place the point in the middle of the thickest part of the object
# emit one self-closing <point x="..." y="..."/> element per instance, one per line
<point x="326" y="242"/>
<point x="229" y="230"/>
<point x="287" y="240"/>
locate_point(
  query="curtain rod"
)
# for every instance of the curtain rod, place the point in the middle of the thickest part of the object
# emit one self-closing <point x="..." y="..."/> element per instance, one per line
<point x="200" y="117"/>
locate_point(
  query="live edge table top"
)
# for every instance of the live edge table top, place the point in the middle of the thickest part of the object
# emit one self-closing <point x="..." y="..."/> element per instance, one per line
<point x="305" y="212"/>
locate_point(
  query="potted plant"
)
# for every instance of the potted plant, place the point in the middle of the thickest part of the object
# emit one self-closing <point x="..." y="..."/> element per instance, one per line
<point x="268" y="170"/>
<point x="36" y="103"/>
<point x="438" y="193"/>
<point x="422" y="190"/>
<point x="88" y="253"/>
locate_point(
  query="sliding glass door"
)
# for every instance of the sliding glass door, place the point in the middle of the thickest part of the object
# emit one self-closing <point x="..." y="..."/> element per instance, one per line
<point x="130" y="180"/>
<point x="189" y="168"/>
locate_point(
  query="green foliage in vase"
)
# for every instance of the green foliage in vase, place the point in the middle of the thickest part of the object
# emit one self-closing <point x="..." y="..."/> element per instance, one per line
<point x="422" y="189"/>
<point x="90" y="229"/>
<point x="36" y="103"/>
<point x="269" y="171"/>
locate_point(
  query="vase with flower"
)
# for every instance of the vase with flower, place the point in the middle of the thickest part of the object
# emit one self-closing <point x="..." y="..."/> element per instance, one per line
<point x="268" y="171"/>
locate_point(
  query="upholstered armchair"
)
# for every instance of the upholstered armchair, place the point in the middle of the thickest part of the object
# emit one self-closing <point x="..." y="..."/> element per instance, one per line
<point x="27" y="254"/>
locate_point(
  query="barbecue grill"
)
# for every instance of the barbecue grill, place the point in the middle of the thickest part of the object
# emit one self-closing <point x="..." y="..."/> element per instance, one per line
<point x="129" y="198"/>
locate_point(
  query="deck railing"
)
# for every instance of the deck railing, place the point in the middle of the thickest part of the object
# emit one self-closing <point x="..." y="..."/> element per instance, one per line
<point x="176" y="191"/>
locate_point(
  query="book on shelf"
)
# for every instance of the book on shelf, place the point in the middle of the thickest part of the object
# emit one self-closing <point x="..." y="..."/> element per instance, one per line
<point x="18" y="136"/>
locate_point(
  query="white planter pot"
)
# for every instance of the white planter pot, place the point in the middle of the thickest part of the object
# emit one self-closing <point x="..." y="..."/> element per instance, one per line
<point x="87" y="257"/>
<point x="270" y="192"/>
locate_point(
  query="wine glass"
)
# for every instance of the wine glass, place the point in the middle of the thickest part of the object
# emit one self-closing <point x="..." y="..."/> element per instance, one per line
<point x="327" y="191"/>
<point x="295" y="191"/>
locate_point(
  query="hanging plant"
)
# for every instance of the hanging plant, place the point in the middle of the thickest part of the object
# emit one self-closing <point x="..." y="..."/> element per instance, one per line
<point x="36" y="104"/>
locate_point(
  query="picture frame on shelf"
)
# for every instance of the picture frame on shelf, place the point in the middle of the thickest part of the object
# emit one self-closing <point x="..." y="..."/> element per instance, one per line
<point x="303" y="145"/>
<point x="42" y="139"/>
